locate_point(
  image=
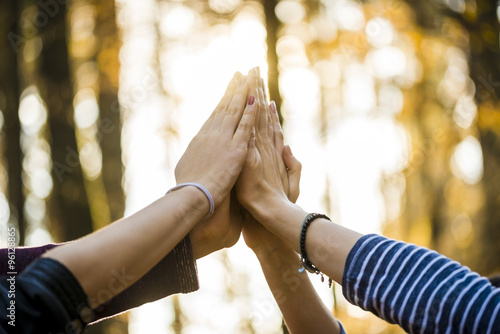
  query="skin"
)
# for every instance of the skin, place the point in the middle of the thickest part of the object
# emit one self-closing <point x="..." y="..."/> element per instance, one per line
<point x="301" y="306"/>
<point x="261" y="191"/>
<point x="133" y="245"/>
<point x="223" y="229"/>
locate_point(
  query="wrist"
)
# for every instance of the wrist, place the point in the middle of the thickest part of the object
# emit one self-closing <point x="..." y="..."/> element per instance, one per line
<point x="265" y="210"/>
<point x="283" y="218"/>
<point x="193" y="203"/>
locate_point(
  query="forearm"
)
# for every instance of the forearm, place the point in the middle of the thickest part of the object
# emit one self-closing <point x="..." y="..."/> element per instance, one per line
<point x="419" y="289"/>
<point x="113" y="258"/>
<point x="327" y="244"/>
<point x="302" y="309"/>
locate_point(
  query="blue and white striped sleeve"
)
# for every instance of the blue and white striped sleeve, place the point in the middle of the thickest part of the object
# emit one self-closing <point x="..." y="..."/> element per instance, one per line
<point x="419" y="289"/>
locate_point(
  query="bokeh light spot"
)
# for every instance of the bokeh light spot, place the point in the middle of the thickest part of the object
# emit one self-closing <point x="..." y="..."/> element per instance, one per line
<point x="467" y="160"/>
<point x="177" y="22"/>
<point x="86" y="108"/>
<point x="224" y="6"/>
<point x="379" y="32"/>
<point x="290" y="12"/>
<point x="32" y="112"/>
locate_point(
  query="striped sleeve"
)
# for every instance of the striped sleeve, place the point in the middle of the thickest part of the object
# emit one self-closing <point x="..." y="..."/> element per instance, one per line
<point x="419" y="289"/>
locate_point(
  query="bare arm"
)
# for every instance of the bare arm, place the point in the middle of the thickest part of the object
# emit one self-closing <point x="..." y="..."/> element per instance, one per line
<point x="263" y="193"/>
<point x="135" y="244"/>
<point x="302" y="309"/>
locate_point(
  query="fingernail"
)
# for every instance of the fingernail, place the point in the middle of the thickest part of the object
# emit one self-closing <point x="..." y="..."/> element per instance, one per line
<point x="251" y="100"/>
<point x="272" y="106"/>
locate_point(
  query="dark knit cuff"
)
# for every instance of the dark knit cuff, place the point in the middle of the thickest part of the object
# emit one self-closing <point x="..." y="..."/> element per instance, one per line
<point x="175" y="273"/>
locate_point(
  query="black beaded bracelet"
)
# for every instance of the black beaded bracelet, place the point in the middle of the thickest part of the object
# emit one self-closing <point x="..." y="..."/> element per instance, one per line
<point x="304" y="261"/>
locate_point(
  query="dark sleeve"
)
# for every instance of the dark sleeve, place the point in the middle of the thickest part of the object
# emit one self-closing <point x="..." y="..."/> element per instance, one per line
<point x="44" y="298"/>
<point x="419" y="289"/>
<point x="24" y="256"/>
<point x="175" y="273"/>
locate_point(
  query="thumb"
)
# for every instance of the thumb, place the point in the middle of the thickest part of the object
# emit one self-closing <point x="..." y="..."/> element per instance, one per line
<point x="294" y="169"/>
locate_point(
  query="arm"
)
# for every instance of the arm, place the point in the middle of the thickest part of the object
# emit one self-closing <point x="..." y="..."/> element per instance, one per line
<point x="133" y="245"/>
<point x="261" y="189"/>
<point x="175" y="273"/>
<point x="419" y="289"/>
<point x="466" y="302"/>
<point x="303" y="310"/>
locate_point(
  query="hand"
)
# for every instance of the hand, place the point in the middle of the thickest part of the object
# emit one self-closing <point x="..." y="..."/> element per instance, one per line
<point x="221" y="230"/>
<point x="216" y="155"/>
<point x="264" y="178"/>
<point x="256" y="236"/>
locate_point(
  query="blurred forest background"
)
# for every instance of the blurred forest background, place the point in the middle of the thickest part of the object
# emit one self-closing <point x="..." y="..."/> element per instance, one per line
<point x="396" y="100"/>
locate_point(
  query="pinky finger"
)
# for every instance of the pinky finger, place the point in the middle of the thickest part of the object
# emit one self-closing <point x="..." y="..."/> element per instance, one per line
<point x="294" y="170"/>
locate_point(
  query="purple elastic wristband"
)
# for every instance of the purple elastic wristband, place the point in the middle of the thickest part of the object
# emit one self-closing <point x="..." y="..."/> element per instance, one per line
<point x="205" y="191"/>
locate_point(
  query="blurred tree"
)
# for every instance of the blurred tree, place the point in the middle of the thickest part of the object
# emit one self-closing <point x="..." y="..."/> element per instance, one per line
<point x="108" y="47"/>
<point x="68" y="207"/>
<point x="9" y="104"/>
<point x="485" y="71"/>
<point x="273" y="26"/>
<point x="478" y="29"/>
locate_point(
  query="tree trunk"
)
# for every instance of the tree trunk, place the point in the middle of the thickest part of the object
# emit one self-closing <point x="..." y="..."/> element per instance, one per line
<point x="272" y="27"/>
<point x="68" y="207"/>
<point x="485" y="72"/>
<point x="10" y="12"/>
<point x="108" y="46"/>
<point x="484" y="63"/>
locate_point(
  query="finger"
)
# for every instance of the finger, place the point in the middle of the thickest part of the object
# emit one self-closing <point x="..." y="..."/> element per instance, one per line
<point x="237" y="106"/>
<point x="263" y="84"/>
<point x="252" y="157"/>
<point x="226" y="99"/>
<point x="294" y="169"/>
<point x="228" y="95"/>
<point x="278" y="132"/>
<point x="244" y="129"/>
<point x="253" y="86"/>
<point x="263" y="111"/>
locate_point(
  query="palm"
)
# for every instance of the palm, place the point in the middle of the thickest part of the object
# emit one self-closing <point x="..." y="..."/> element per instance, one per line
<point x="220" y="230"/>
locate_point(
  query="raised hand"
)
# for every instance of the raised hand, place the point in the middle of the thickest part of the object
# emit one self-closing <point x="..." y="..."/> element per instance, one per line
<point x="256" y="236"/>
<point x="223" y="228"/>
<point x="216" y="155"/>
<point x="264" y="178"/>
<point x="292" y="290"/>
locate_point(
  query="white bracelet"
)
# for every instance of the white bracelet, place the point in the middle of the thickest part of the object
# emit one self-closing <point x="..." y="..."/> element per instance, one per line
<point x="205" y="191"/>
